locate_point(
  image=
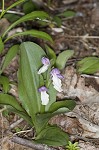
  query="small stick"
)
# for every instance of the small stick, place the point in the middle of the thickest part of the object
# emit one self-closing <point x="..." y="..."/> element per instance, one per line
<point x="30" y="144"/>
<point x="16" y="123"/>
<point x="13" y="12"/>
<point x="83" y="37"/>
<point x="90" y="76"/>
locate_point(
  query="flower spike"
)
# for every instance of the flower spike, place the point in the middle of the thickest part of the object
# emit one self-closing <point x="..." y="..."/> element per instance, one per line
<point x="46" y="63"/>
<point x="44" y="95"/>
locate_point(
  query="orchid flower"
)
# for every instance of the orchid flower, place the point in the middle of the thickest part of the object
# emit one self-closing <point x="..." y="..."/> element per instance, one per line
<point x="44" y="95"/>
<point x="46" y="63"/>
<point x="56" y="78"/>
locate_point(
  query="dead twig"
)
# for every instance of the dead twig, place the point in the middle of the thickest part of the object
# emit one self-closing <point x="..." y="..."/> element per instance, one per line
<point x="30" y="144"/>
<point x="83" y="37"/>
<point x="16" y="123"/>
<point x="90" y="76"/>
<point x="13" y="12"/>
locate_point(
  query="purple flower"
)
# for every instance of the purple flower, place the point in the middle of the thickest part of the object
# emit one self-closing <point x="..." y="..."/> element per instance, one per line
<point x="56" y="78"/>
<point x="46" y="63"/>
<point x="44" y="95"/>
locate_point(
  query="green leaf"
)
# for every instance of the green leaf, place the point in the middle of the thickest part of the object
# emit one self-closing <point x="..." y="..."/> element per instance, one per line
<point x="11" y="17"/>
<point x="57" y="20"/>
<point x="23" y="115"/>
<point x="30" y="16"/>
<point x="50" y="53"/>
<point x="62" y="58"/>
<point x="34" y="33"/>
<point x="28" y="7"/>
<point x="9" y="56"/>
<point x="70" y="104"/>
<point x="42" y="120"/>
<point x="55" y="108"/>
<point x="68" y="13"/>
<point x="1" y="45"/>
<point x="28" y="78"/>
<point x="52" y="136"/>
<point x="4" y="81"/>
<point x="10" y="100"/>
<point x="14" y="5"/>
<point x="88" y="65"/>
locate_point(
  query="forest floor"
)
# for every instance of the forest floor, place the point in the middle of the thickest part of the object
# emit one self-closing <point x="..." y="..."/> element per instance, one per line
<point x="81" y="34"/>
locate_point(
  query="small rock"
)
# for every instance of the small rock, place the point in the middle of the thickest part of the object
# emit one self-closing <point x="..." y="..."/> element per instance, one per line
<point x="4" y="24"/>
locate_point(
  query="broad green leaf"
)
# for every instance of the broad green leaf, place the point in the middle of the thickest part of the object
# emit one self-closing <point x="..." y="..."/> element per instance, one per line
<point x="88" y="65"/>
<point x="10" y="100"/>
<point x="70" y="104"/>
<point x="55" y="108"/>
<point x="30" y="62"/>
<point x="14" y="5"/>
<point x="1" y="45"/>
<point x="52" y="136"/>
<point x="50" y="53"/>
<point x="11" y="17"/>
<point x="23" y="115"/>
<point x="4" y="81"/>
<point x="68" y="13"/>
<point x="30" y="16"/>
<point x="42" y="120"/>
<point x="9" y="56"/>
<point x="62" y="58"/>
<point x="57" y="20"/>
<point x="34" y="33"/>
<point x="28" y="7"/>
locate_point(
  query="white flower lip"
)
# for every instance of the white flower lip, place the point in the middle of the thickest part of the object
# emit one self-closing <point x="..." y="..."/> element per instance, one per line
<point x="56" y="78"/>
<point x="44" y="95"/>
<point x="46" y="63"/>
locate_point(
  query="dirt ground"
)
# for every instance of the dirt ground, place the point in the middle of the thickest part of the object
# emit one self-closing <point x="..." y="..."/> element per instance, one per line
<point x="81" y="34"/>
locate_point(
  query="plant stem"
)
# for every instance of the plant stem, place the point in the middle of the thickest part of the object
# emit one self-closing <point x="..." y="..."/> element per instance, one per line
<point x="2" y="13"/>
<point x="42" y="108"/>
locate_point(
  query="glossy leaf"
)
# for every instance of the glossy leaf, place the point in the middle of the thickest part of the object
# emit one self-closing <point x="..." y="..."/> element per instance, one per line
<point x="52" y="136"/>
<point x="14" y="5"/>
<point x="4" y="81"/>
<point x="68" y="13"/>
<point x="62" y="58"/>
<point x="57" y="20"/>
<point x="34" y="33"/>
<point x="22" y="114"/>
<point x="1" y="45"/>
<point x="42" y="120"/>
<point x="50" y="53"/>
<point x="88" y="65"/>
<point x="30" y="16"/>
<point x="28" y="7"/>
<point x="10" y="100"/>
<point x="70" y="104"/>
<point x="28" y="77"/>
<point x="11" y="17"/>
<point x="9" y="56"/>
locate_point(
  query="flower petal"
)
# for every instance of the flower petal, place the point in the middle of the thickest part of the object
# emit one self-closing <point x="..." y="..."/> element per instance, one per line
<point x="45" y="61"/>
<point x="57" y="83"/>
<point x="44" y="98"/>
<point x="43" y="69"/>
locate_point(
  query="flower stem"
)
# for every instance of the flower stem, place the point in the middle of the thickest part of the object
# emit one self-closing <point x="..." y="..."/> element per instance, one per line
<point x="2" y="13"/>
<point x="42" y="109"/>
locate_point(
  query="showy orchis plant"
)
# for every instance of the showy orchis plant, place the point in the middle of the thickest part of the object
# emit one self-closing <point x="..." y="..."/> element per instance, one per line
<point x="39" y="79"/>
